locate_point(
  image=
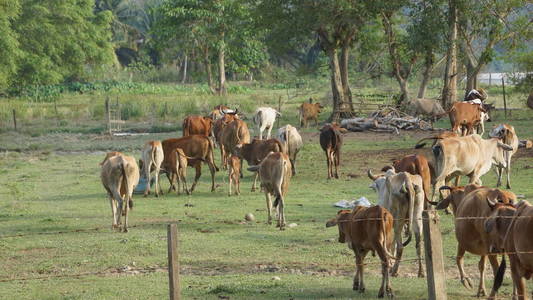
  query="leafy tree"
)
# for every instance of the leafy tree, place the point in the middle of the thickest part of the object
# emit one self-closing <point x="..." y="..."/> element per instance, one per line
<point x="58" y="39"/>
<point x="9" y="10"/>
<point x="485" y="24"/>
<point x="334" y="23"/>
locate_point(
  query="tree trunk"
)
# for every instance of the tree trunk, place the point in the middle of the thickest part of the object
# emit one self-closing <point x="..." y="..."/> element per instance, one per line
<point x="345" y="55"/>
<point x="404" y="89"/>
<point x="207" y="63"/>
<point x="426" y="74"/>
<point x="185" y="65"/>
<point x="341" y="109"/>
<point x="449" y="91"/>
<point x="221" y="68"/>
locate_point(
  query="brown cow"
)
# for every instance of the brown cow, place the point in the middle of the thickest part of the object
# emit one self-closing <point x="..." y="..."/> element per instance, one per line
<point x="415" y="164"/>
<point x="275" y="172"/>
<point x="470" y="215"/>
<point x="233" y="134"/>
<point x="234" y="174"/>
<point x="331" y="142"/>
<point x="120" y="175"/>
<point x="464" y="117"/>
<point x="198" y="148"/>
<point x="256" y="151"/>
<point x="367" y="229"/>
<point x="309" y="111"/>
<point x="197" y="125"/>
<point x="510" y="230"/>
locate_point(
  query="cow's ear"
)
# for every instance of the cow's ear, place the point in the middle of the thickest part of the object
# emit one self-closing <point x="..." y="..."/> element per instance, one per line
<point x="332" y="222"/>
<point x="492" y="197"/>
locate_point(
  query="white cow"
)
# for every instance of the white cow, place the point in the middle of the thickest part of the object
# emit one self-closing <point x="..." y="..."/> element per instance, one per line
<point x="403" y="195"/>
<point x="264" y="119"/>
<point x="152" y="157"/>
<point x="292" y="143"/>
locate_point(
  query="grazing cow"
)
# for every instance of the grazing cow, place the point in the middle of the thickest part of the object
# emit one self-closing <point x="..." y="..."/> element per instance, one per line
<point x="120" y="175"/>
<point x="470" y="155"/>
<point x="331" y="142"/>
<point x="197" y="125"/>
<point x="198" y="148"/>
<point x="426" y="107"/>
<point x="510" y="229"/>
<point x="464" y="117"/>
<point x="309" y="111"/>
<point x="292" y="141"/>
<point x="470" y="214"/>
<point x="256" y="151"/>
<point x="508" y="136"/>
<point x="275" y="173"/>
<point x="152" y="157"/>
<point x="234" y="174"/>
<point x="367" y="229"/>
<point x="402" y="194"/>
<point x="233" y="134"/>
<point x="415" y="164"/>
<point x="264" y="119"/>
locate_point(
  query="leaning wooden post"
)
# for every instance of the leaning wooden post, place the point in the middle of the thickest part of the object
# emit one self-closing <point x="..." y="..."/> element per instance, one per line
<point x="173" y="264"/>
<point x="504" y="98"/>
<point x="15" y="119"/>
<point x="108" y="115"/>
<point x="434" y="258"/>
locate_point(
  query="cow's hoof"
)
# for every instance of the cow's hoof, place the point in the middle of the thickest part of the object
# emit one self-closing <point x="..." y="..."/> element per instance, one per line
<point x="146" y="195"/>
<point x="508" y="186"/>
<point x="466" y="283"/>
<point x="481" y="293"/>
<point x="394" y="274"/>
<point x="125" y="230"/>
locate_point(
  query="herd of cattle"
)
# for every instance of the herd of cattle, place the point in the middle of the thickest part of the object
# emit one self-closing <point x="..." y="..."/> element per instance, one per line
<point x="406" y="188"/>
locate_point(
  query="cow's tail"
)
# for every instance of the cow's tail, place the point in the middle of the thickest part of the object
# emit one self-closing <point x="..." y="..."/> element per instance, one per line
<point x="211" y="148"/>
<point x="498" y="279"/>
<point x="154" y="148"/>
<point x="279" y="186"/>
<point x="300" y="116"/>
<point x="185" y="127"/>
<point x="125" y="181"/>
<point x="408" y="188"/>
<point x="439" y="159"/>
<point x="384" y="232"/>
<point x="287" y="143"/>
<point x="419" y="144"/>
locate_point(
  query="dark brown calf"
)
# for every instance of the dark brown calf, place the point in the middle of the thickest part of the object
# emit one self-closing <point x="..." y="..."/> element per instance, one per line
<point x="331" y="142"/>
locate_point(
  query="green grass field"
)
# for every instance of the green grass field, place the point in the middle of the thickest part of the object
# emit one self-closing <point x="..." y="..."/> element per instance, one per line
<point x="51" y="184"/>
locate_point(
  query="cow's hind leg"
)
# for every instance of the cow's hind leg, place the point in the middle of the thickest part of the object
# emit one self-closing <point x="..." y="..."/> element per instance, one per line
<point x="328" y="160"/>
<point x="254" y="185"/>
<point x="269" y="207"/>
<point x="198" y="169"/>
<point x="113" y="203"/>
<point x="212" y="170"/>
<point x="398" y="226"/>
<point x="385" y="282"/>
<point x="418" y="240"/>
<point x="126" y="209"/>
<point x="481" y="266"/>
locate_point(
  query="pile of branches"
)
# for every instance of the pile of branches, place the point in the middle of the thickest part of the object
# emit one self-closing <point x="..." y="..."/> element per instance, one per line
<point x="388" y="119"/>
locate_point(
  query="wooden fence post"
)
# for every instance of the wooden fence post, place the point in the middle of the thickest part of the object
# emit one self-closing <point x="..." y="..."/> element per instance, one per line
<point x="108" y="115"/>
<point x="504" y="98"/>
<point x="15" y="119"/>
<point x="279" y="110"/>
<point x="436" y="279"/>
<point x="173" y="263"/>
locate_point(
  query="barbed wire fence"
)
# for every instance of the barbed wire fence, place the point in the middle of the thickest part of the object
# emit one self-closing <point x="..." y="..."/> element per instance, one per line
<point x="434" y="257"/>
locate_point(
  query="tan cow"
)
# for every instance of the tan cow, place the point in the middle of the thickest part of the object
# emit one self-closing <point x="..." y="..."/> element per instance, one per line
<point x="470" y="155"/>
<point x="367" y="229"/>
<point x="309" y="111"/>
<point x="292" y="142"/>
<point x="109" y="155"/>
<point x="275" y="173"/>
<point x="508" y="136"/>
<point x="256" y="151"/>
<point x="510" y="231"/>
<point x="234" y="174"/>
<point x="233" y="134"/>
<point x="120" y="175"/>
<point x="152" y="157"/>
<point x="470" y="215"/>
<point x="198" y="148"/>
